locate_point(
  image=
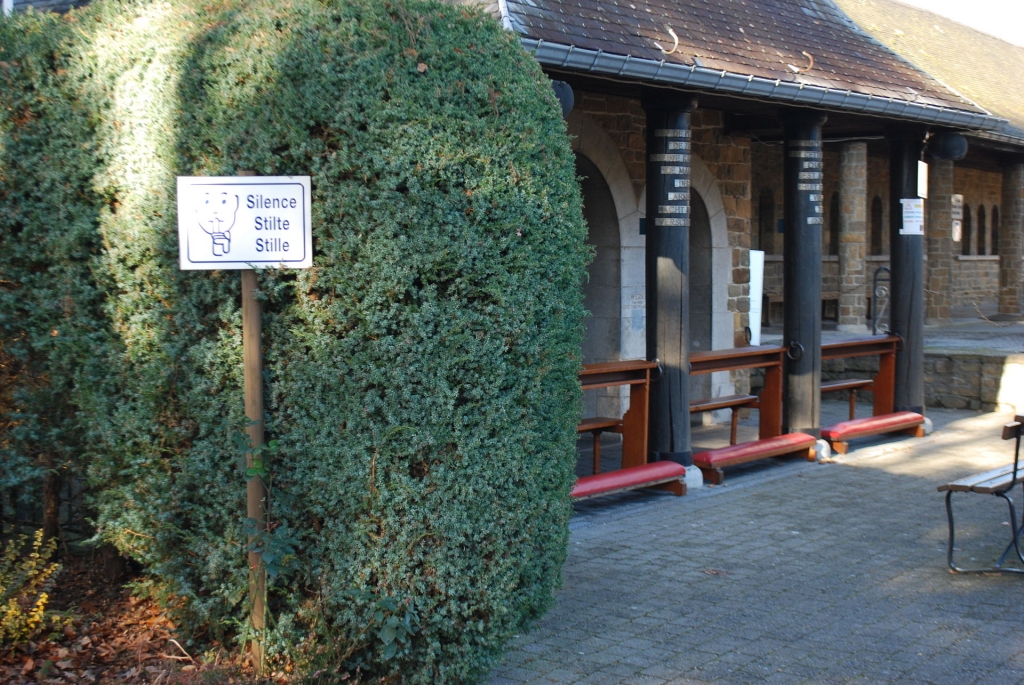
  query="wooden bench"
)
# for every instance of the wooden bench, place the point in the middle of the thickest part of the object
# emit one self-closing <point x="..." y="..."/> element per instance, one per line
<point x="851" y="384"/>
<point x="996" y="482"/>
<point x="658" y="475"/>
<point x="712" y="462"/>
<point x="596" y="425"/>
<point x="841" y="433"/>
<point x="732" y="402"/>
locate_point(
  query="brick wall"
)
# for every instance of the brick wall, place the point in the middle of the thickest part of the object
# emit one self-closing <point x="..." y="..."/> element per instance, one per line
<point x="729" y="160"/>
<point x="977" y="281"/>
<point x="624" y="121"/>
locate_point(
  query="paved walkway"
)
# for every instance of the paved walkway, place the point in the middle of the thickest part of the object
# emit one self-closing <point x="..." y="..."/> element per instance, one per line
<point x="793" y="572"/>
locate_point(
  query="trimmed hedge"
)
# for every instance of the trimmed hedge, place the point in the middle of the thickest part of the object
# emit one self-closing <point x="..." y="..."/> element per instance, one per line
<point x="420" y="379"/>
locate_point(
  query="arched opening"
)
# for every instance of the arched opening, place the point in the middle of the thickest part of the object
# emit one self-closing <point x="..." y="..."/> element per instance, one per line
<point x="701" y="285"/>
<point x="965" y="235"/>
<point x="876" y="226"/>
<point x="601" y="294"/>
<point x="766" y="222"/>
<point x="830" y="243"/>
<point x="995" y="230"/>
<point x="982" y="232"/>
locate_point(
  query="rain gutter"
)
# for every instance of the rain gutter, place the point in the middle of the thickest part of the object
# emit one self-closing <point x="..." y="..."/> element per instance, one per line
<point x="755" y="87"/>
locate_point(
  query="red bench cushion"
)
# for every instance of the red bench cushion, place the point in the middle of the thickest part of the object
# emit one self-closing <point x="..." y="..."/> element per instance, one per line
<point x="754" y="450"/>
<point x="631" y="477"/>
<point x="872" y="425"/>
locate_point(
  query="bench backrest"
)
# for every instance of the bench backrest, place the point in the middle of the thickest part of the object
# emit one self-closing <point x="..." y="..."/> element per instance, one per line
<point x="1012" y="431"/>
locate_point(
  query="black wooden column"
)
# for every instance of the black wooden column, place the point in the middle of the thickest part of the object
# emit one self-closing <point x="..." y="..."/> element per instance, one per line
<point x="802" y="185"/>
<point x="906" y="259"/>
<point x="667" y="279"/>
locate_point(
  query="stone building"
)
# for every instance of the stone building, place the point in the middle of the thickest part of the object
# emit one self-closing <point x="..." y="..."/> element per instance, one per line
<point x="704" y="130"/>
<point x="793" y="131"/>
<point x="983" y="269"/>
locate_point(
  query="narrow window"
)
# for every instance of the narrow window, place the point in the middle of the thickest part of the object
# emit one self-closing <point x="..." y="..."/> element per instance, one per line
<point x="995" y="230"/>
<point x="965" y="244"/>
<point x="982" y="233"/>
<point x="876" y="226"/>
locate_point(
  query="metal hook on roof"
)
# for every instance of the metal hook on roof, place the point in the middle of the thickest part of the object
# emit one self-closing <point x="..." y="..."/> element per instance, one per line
<point x="798" y="70"/>
<point x="675" y="43"/>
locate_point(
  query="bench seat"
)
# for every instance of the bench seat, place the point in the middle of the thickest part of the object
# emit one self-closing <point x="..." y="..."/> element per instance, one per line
<point x="664" y="475"/>
<point x="986" y="483"/>
<point x="712" y="462"/>
<point x="595" y="425"/>
<point x="851" y="384"/>
<point x="998" y="482"/>
<point x="841" y="433"/>
<point x="732" y="402"/>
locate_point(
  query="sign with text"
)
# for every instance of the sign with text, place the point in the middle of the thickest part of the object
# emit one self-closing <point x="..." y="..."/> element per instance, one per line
<point x="913" y="216"/>
<point x="228" y="222"/>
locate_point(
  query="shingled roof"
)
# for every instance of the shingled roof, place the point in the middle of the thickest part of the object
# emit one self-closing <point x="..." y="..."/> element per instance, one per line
<point x="984" y="68"/>
<point x="802" y="51"/>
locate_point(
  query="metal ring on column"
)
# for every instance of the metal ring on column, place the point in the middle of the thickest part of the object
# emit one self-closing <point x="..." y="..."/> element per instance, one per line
<point x="748" y="334"/>
<point x="795" y="351"/>
<point x="899" y="345"/>
<point x="660" y="369"/>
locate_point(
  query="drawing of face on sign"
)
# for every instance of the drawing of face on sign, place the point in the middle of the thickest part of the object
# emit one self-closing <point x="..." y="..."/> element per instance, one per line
<point x="216" y="215"/>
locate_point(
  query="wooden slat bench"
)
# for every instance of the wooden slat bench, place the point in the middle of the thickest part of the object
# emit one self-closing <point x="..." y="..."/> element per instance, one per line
<point x="659" y="475"/>
<point x="712" y="462"/>
<point x="596" y="425"/>
<point x="732" y="402"/>
<point x="996" y="482"/>
<point x="841" y="433"/>
<point x="851" y="384"/>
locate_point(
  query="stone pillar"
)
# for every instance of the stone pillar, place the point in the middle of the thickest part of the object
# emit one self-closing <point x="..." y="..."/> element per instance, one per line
<point x="804" y="215"/>
<point x="907" y="263"/>
<point x="667" y="257"/>
<point x="853" y="222"/>
<point x="939" y="242"/>
<point x="1011" y="240"/>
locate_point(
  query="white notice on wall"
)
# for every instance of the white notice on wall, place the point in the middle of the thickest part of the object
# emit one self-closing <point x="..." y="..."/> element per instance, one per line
<point x="227" y="222"/>
<point x="922" y="179"/>
<point x="913" y="216"/>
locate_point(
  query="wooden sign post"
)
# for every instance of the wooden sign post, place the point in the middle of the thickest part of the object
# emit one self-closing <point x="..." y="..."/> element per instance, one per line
<point x="240" y="223"/>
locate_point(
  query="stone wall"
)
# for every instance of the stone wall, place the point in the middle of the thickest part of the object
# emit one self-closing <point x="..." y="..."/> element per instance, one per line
<point x="729" y="160"/>
<point x="977" y="281"/>
<point x="952" y="379"/>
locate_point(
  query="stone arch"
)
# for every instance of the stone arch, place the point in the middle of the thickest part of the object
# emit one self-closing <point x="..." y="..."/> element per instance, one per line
<point x="703" y="182"/>
<point x="591" y="141"/>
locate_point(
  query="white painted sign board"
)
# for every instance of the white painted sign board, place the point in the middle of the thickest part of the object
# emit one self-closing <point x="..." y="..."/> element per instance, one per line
<point x="229" y="222"/>
<point x="913" y="216"/>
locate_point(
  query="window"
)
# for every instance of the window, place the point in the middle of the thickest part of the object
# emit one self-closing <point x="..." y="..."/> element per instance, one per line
<point x="965" y="244"/>
<point x="876" y="226"/>
<point x="766" y="221"/>
<point x="982" y="233"/>
<point x="994" y="244"/>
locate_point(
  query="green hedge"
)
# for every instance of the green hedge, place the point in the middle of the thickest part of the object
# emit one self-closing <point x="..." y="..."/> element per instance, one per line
<point x="420" y="379"/>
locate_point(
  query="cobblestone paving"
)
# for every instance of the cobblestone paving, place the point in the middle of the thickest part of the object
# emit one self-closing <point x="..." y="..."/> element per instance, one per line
<point x="792" y="573"/>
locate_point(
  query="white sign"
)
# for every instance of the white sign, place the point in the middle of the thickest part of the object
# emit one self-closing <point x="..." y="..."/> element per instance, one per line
<point x="956" y="207"/>
<point x="922" y="179"/>
<point x="913" y="217"/>
<point x="227" y="222"/>
<point x="958" y="231"/>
